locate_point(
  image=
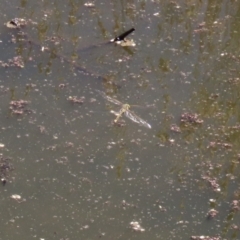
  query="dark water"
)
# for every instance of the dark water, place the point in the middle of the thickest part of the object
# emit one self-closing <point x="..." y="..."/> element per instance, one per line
<point x="80" y="176"/>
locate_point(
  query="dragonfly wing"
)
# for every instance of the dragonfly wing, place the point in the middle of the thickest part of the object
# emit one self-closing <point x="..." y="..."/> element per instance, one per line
<point x="115" y="113"/>
<point x="136" y="119"/>
<point x="112" y="100"/>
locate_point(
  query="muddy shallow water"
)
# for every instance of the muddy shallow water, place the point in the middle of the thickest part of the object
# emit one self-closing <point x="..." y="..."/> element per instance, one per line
<point x="79" y="175"/>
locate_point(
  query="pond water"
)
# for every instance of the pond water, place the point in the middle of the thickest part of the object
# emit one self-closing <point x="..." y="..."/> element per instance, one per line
<point x="82" y="176"/>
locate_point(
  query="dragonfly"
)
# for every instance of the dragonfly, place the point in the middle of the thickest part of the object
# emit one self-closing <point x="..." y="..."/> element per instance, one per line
<point x="125" y="110"/>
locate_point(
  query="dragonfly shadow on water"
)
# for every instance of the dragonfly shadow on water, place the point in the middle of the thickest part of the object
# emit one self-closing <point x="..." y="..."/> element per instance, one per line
<point x="125" y="110"/>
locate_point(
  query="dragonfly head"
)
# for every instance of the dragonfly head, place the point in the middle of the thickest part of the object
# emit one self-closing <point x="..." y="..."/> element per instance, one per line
<point x="126" y="106"/>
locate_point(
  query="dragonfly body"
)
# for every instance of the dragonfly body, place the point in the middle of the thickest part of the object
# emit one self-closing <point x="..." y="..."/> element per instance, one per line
<point x="126" y="111"/>
<point x="125" y="107"/>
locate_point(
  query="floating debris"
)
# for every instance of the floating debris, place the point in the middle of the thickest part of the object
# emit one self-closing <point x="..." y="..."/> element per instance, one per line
<point x="204" y="238"/>
<point x="89" y="4"/>
<point x="235" y="227"/>
<point x="175" y="128"/>
<point x="212" y="213"/>
<point x="55" y="39"/>
<point x="16" y="61"/>
<point x="18" y="107"/>
<point x="214" y="145"/>
<point x="4" y="181"/>
<point x="161" y="208"/>
<point x="235" y="205"/>
<point x="191" y="118"/>
<point x="201" y="28"/>
<point x="213" y="183"/>
<point x="42" y="129"/>
<point x="75" y="99"/>
<point x="136" y="226"/>
<point x="16" y="23"/>
<point x="15" y="197"/>
<point x="62" y="85"/>
<point x="5" y="168"/>
<point x="125" y="205"/>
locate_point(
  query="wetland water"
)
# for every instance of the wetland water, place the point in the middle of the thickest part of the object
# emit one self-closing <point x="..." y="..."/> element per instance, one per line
<point x="82" y="177"/>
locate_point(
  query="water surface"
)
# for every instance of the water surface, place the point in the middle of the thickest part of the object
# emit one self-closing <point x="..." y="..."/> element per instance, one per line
<point x="81" y="176"/>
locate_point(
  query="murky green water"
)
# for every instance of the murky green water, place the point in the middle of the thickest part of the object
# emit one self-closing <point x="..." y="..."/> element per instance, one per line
<point x="82" y="177"/>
